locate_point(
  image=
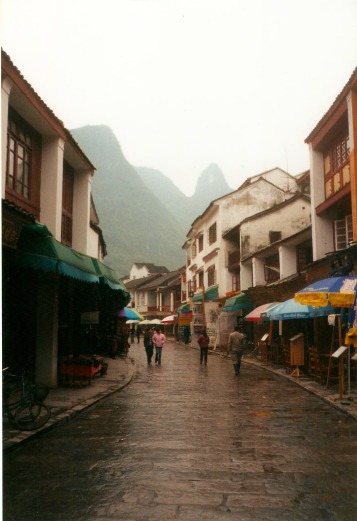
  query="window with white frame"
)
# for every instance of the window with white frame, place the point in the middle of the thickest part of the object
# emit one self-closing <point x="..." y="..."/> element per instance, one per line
<point x="211" y="276"/>
<point x="343" y="232"/>
<point x="194" y="249"/>
<point x="212" y="233"/>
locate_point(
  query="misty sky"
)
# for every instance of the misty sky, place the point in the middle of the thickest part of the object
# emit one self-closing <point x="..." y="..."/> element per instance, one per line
<point x="186" y="83"/>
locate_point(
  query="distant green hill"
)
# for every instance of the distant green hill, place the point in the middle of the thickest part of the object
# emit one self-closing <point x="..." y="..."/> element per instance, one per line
<point x="143" y="215"/>
<point x="136" y="225"/>
<point x="210" y="185"/>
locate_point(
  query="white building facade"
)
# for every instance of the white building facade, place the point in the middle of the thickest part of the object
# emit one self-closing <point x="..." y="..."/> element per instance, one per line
<point x="209" y="245"/>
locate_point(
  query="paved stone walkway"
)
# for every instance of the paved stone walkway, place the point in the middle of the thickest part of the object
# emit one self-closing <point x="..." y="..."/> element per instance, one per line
<point x="69" y="401"/>
<point x="192" y="443"/>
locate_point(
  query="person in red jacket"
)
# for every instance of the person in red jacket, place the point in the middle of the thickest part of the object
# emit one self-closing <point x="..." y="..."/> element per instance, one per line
<point x="203" y="342"/>
<point x="158" y="340"/>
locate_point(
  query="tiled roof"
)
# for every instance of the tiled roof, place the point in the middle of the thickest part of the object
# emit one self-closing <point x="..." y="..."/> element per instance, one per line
<point x="137" y="283"/>
<point x="165" y="280"/>
<point x="152" y="268"/>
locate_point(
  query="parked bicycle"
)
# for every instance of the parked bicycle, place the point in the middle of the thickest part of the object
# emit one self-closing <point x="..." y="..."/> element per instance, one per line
<point x="23" y="401"/>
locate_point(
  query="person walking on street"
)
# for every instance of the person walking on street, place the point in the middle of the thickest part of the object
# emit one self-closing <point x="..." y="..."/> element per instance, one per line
<point x="149" y="348"/>
<point x="236" y="343"/>
<point x="203" y="342"/>
<point x="132" y="335"/>
<point x="187" y="334"/>
<point x="158" y="340"/>
<point x="138" y="334"/>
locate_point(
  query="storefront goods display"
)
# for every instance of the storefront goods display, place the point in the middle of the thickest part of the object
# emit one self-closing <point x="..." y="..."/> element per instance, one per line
<point x="82" y="368"/>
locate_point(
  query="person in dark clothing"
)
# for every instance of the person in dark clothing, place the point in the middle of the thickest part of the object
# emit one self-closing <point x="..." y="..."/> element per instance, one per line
<point x="138" y="334"/>
<point x="341" y="266"/>
<point x="203" y="342"/>
<point x="132" y="335"/>
<point x="186" y="334"/>
<point x="148" y="344"/>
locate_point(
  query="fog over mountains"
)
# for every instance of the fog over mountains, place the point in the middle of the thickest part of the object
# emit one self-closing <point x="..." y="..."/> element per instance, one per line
<point x="143" y="215"/>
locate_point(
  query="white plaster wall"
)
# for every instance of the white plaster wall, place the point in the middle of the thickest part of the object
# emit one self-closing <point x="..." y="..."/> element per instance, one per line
<point x="93" y="245"/>
<point x="246" y="275"/>
<point x="288" y="261"/>
<point x="249" y="201"/>
<point x="225" y="276"/>
<point x="51" y="184"/>
<point x="258" y="271"/>
<point x="322" y="230"/>
<point x="229" y="211"/>
<point x="202" y="228"/>
<point x="288" y="220"/>
<point x="81" y="211"/>
<point x="138" y="273"/>
<point x="279" y="178"/>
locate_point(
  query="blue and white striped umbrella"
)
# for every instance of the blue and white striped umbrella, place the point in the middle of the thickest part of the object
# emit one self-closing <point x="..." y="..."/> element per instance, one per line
<point x="291" y="310"/>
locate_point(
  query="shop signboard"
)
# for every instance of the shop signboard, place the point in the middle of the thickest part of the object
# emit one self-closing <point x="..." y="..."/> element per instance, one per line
<point x="185" y="321"/>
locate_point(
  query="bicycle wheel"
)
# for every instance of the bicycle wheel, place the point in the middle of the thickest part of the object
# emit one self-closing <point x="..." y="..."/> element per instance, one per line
<point x="13" y="400"/>
<point x="32" y="416"/>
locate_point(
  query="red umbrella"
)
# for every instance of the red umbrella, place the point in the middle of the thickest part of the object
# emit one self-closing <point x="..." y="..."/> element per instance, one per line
<point x="255" y="315"/>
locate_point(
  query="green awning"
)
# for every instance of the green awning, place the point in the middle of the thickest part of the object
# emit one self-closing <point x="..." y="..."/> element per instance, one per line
<point x="197" y="298"/>
<point x="39" y="250"/>
<point x="185" y="308"/>
<point x="210" y="294"/>
<point x="237" y="302"/>
<point x="108" y="276"/>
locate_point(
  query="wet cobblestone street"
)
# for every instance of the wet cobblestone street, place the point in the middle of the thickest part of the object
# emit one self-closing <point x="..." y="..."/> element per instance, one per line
<point x="191" y="443"/>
